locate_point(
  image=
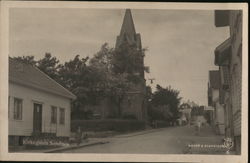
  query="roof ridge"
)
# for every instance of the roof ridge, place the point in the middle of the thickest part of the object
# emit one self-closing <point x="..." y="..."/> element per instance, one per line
<point x="55" y="86"/>
<point x="54" y="81"/>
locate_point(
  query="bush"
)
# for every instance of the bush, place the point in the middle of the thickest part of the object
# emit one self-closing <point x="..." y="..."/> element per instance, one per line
<point x="161" y="124"/>
<point x="129" y="116"/>
<point x="81" y="114"/>
<point x="117" y="125"/>
<point x="155" y="114"/>
<point x="112" y="116"/>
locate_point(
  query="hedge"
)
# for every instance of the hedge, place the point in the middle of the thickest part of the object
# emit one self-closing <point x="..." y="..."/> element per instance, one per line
<point x="161" y="124"/>
<point x="107" y="125"/>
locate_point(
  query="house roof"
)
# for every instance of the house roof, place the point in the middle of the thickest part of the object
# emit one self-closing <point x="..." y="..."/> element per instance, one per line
<point x="221" y="18"/>
<point x="31" y="76"/>
<point x="223" y="46"/>
<point x="214" y="79"/>
<point x="223" y="53"/>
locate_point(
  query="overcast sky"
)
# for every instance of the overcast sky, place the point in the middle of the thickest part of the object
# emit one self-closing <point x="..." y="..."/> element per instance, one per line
<point x="180" y="43"/>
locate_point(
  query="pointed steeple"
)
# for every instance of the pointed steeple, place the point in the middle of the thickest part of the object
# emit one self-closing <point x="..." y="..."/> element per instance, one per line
<point x="128" y="26"/>
<point x="128" y="32"/>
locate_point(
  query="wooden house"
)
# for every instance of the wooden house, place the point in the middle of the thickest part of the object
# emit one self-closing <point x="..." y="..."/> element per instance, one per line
<point x="37" y="104"/>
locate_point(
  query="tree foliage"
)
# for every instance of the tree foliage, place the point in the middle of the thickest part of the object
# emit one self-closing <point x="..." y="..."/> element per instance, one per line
<point x="113" y="84"/>
<point x="166" y="101"/>
<point x="110" y="73"/>
<point x="75" y="76"/>
<point x="26" y="59"/>
<point x="128" y="59"/>
<point x="49" y="65"/>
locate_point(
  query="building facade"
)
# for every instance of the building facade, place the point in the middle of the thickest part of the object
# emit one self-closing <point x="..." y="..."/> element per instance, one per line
<point x="186" y="110"/>
<point x="37" y="104"/>
<point x="228" y="56"/>
<point x="214" y="101"/>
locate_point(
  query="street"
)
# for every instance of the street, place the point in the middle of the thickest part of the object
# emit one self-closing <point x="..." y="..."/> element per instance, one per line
<point x="171" y="140"/>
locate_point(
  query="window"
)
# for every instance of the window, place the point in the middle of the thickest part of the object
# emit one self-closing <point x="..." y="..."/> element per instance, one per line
<point x="210" y="101"/>
<point x="62" y="116"/>
<point x="18" y="108"/>
<point x="53" y="114"/>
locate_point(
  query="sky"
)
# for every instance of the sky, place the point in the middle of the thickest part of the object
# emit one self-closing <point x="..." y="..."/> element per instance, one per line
<point x="180" y="43"/>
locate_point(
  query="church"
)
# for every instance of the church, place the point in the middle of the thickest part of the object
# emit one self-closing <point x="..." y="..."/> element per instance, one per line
<point x="134" y="102"/>
<point x="133" y="105"/>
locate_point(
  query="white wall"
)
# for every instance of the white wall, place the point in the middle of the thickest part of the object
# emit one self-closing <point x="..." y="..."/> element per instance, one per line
<point x="219" y="111"/>
<point x="24" y="127"/>
<point x="215" y="95"/>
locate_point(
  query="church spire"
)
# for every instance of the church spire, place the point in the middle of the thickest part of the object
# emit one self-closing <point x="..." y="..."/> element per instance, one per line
<point x="128" y="26"/>
<point x="128" y="32"/>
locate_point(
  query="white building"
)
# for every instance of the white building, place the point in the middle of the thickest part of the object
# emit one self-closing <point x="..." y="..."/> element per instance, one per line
<point x="228" y="56"/>
<point x="214" y="101"/>
<point x="37" y="104"/>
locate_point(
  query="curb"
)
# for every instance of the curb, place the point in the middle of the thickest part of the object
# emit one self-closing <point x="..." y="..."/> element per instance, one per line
<point x="76" y="147"/>
<point x="136" y="134"/>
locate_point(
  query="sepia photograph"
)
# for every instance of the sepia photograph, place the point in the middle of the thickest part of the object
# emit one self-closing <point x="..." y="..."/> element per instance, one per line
<point x="124" y="80"/>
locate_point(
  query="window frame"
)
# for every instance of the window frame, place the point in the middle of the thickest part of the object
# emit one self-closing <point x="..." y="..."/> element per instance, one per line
<point x="53" y="115"/>
<point x="18" y="113"/>
<point x="62" y="117"/>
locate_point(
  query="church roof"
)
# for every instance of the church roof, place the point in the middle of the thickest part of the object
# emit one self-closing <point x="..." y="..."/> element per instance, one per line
<point x="128" y="33"/>
<point x="30" y="76"/>
<point x="128" y="26"/>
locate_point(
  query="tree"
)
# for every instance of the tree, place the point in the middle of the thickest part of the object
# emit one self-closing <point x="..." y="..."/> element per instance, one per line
<point x="26" y="59"/>
<point x="128" y="59"/>
<point x="50" y="66"/>
<point x="74" y="75"/>
<point x="118" y="71"/>
<point x="110" y="73"/>
<point x="117" y="90"/>
<point x="112" y="84"/>
<point x="85" y="82"/>
<point x="127" y="69"/>
<point x="167" y="99"/>
<point x="103" y="58"/>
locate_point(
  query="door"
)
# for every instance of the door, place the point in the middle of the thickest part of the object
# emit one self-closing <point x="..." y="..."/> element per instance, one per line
<point x="37" y="118"/>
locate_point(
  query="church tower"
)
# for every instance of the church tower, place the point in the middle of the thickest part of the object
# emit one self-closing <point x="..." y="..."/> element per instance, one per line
<point x="128" y="33"/>
<point x="134" y="103"/>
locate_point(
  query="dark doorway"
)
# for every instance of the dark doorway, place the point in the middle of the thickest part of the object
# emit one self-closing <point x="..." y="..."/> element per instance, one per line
<point x="37" y="118"/>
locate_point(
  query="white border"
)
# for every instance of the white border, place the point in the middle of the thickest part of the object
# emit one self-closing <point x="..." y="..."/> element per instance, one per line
<point x="4" y="155"/>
